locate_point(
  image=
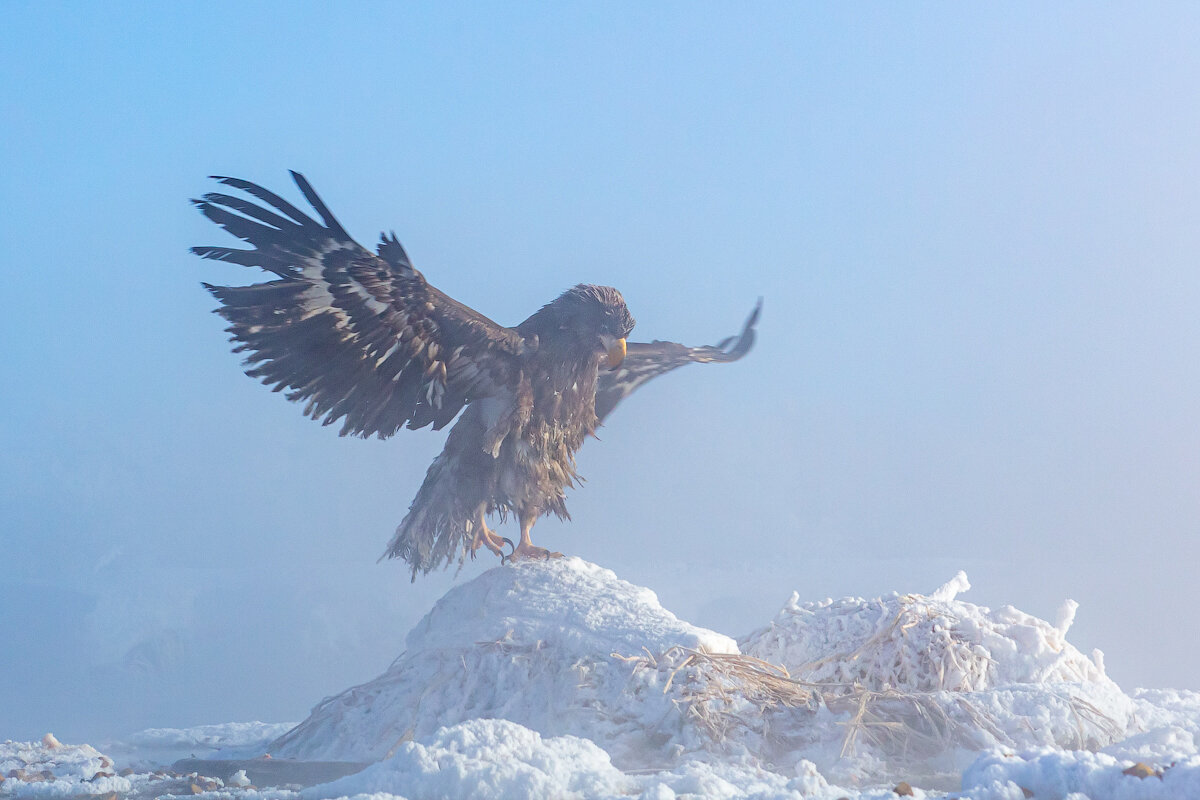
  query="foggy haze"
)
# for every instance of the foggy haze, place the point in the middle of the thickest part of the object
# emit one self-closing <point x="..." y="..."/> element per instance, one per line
<point x="975" y="232"/>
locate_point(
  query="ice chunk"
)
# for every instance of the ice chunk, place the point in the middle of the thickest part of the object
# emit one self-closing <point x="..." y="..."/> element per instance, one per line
<point x="951" y="588"/>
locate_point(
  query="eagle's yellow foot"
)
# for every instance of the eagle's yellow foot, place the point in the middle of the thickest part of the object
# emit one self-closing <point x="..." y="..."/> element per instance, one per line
<point x="485" y="537"/>
<point x="524" y="550"/>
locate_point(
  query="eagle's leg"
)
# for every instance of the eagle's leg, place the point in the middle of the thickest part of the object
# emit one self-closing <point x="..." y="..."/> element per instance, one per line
<point x="486" y="537"/>
<point x="526" y="548"/>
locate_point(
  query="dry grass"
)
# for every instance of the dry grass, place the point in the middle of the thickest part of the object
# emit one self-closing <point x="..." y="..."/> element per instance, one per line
<point x="724" y="692"/>
<point x="946" y="662"/>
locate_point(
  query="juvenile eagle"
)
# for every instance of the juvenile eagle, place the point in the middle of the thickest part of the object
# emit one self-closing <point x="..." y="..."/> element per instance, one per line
<point x="363" y="338"/>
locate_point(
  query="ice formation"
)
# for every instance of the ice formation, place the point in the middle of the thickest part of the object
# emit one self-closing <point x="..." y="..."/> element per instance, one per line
<point x="905" y="684"/>
<point x="557" y="679"/>
<point x="554" y="646"/>
<point x="919" y="643"/>
<point x="929" y="681"/>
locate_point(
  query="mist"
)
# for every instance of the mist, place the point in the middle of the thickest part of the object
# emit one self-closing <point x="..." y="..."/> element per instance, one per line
<point x="974" y="231"/>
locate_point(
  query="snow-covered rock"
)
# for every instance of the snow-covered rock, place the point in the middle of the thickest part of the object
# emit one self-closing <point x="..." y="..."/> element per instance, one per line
<point x="556" y="646"/>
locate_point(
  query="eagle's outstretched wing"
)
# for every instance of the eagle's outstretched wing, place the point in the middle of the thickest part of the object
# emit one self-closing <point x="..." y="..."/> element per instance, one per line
<point x="359" y="335"/>
<point x="645" y="361"/>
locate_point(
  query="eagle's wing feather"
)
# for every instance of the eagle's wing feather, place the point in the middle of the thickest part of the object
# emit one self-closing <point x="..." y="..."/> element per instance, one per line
<point x="360" y="336"/>
<point x="644" y="361"/>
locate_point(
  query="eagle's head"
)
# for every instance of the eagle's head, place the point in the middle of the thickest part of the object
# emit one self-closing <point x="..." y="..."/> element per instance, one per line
<point x="585" y="316"/>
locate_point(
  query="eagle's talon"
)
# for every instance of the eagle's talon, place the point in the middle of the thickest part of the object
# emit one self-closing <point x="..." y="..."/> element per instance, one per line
<point x="504" y="559"/>
<point x="486" y="537"/>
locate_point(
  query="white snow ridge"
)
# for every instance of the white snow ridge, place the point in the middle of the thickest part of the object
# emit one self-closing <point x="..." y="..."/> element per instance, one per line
<point x="544" y="644"/>
<point x="557" y="679"/>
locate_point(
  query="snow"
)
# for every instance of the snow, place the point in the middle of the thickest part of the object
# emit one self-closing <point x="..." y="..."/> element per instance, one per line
<point x="1056" y="775"/>
<point x="558" y="679"/>
<point x="922" y="643"/>
<point x="51" y="769"/>
<point x="156" y="746"/>
<point x="535" y="644"/>
<point x="496" y="759"/>
<point x="937" y="680"/>
<point x="488" y="759"/>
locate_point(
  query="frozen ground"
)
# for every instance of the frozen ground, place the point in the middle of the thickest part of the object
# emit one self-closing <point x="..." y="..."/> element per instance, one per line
<point x="558" y="679"/>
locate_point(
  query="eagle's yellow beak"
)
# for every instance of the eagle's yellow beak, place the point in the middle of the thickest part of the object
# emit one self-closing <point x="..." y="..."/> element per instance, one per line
<point x="616" y="353"/>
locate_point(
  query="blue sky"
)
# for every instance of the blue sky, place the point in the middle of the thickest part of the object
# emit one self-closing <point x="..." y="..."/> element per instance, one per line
<point x="975" y="231"/>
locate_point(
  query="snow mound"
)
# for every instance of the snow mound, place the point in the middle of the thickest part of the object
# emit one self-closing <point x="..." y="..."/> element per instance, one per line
<point x="907" y="684"/>
<point x="487" y="759"/>
<point x="552" y="645"/>
<point x="921" y="683"/>
<point x="495" y="759"/>
<point x="916" y="643"/>
<point x="1058" y="775"/>
<point x="51" y="769"/>
<point x="1166" y="727"/>
<point x="1164" y="707"/>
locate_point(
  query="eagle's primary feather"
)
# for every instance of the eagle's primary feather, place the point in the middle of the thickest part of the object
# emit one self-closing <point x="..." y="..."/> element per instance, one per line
<point x="363" y="338"/>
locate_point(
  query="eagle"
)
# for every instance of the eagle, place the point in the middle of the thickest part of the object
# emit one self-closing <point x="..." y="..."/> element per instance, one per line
<point x="361" y="337"/>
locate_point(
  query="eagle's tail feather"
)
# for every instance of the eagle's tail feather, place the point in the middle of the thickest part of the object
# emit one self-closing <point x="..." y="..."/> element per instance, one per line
<point x="437" y="527"/>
